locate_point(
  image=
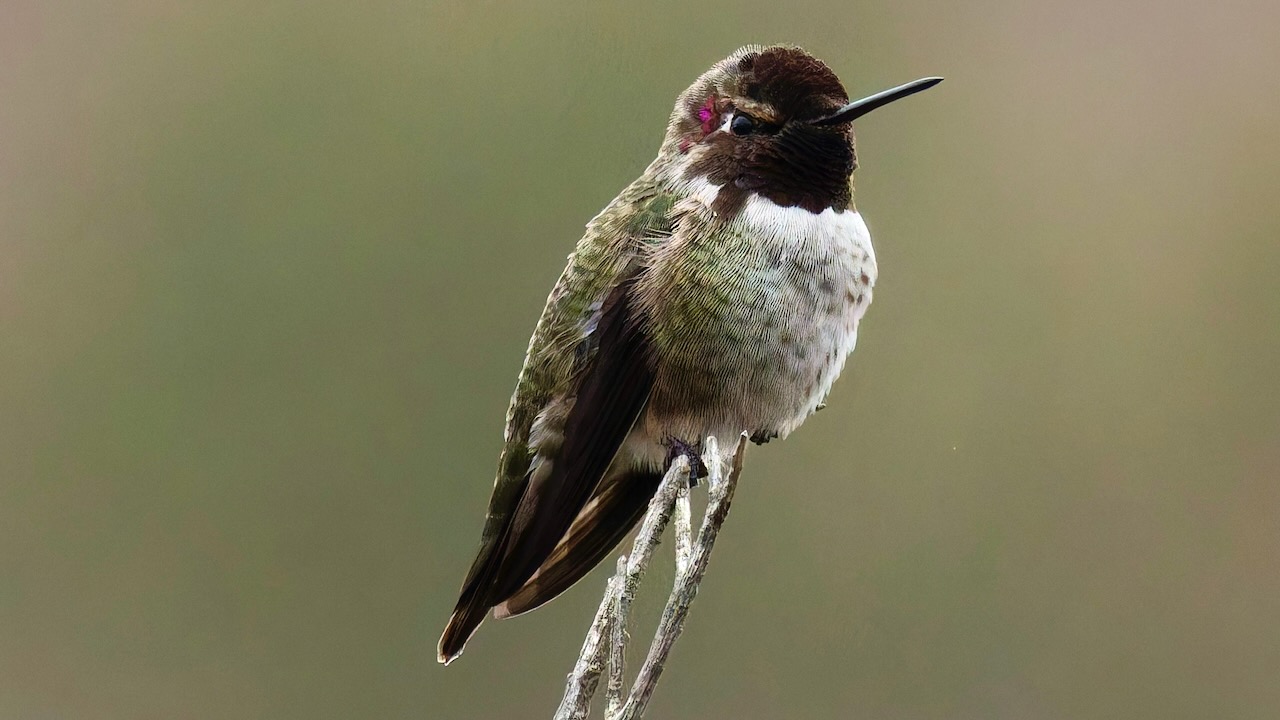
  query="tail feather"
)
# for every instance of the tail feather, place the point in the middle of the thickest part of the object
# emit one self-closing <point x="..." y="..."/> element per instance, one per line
<point x="473" y="602"/>
<point x="612" y="512"/>
<point x="462" y="625"/>
<point x="536" y="514"/>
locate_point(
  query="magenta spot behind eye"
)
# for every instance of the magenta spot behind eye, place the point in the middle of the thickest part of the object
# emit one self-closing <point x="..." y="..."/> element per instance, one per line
<point x="707" y="115"/>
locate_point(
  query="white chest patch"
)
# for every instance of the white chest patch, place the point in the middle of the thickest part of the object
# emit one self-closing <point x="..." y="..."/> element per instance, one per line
<point x="800" y="231"/>
<point x="766" y="314"/>
<point x="831" y="269"/>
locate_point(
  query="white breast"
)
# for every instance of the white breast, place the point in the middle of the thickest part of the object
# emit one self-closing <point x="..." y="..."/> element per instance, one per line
<point x="832" y="270"/>
<point x="773" y="336"/>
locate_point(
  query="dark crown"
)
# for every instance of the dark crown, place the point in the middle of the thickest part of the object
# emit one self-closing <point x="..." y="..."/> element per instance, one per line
<point x="798" y="85"/>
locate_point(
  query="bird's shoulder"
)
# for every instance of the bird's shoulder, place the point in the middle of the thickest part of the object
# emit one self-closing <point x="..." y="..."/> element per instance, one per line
<point x="562" y="347"/>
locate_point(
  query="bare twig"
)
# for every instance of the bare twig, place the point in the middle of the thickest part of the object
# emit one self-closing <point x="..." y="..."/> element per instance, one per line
<point x="613" y="691"/>
<point x="720" y="495"/>
<point x="680" y="517"/>
<point x="586" y="672"/>
<point x="610" y="623"/>
<point x="582" y="682"/>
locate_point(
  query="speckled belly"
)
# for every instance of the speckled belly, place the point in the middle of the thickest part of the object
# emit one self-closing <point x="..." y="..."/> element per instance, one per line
<point x="759" y="325"/>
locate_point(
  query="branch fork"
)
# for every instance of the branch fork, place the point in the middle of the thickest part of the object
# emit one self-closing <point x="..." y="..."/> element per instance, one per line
<point x="604" y="648"/>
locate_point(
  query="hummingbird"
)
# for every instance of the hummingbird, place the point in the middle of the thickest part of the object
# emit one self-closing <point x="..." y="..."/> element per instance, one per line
<point x="719" y="293"/>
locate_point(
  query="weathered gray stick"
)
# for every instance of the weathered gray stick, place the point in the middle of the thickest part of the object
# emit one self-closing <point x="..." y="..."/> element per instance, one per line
<point x="586" y="672"/>
<point x="582" y="682"/>
<point x="613" y="691"/>
<point x="606" y="640"/>
<point x="720" y="496"/>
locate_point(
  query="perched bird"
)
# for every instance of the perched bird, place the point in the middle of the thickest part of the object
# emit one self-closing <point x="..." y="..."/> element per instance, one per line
<point x="718" y="293"/>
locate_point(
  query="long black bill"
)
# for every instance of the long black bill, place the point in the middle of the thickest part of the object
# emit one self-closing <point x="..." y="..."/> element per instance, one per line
<point x="858" y="108"/>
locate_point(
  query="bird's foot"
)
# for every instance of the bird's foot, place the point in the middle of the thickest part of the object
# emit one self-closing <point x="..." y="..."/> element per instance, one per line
<point x="691" y="451"/>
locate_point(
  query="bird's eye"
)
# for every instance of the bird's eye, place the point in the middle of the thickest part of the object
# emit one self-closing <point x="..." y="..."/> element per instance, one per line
<point x="742" y="124"/>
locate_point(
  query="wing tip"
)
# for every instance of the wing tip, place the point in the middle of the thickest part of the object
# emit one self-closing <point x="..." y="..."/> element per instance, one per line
<point x="462" y="625"/>
<point x="446" y="651"/>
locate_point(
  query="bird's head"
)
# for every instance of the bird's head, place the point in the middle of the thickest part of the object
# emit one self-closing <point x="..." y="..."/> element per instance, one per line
<point x="774" y="121"/>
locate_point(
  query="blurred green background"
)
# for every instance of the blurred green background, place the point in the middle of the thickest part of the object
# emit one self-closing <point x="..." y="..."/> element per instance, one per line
<point x="268" y="269"/>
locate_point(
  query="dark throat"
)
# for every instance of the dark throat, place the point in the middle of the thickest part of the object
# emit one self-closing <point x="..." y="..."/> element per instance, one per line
<point x="800" y="165"/>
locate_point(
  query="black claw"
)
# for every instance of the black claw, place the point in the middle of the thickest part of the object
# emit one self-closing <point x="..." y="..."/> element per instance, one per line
<point x="691" y="451"/>
<point x="761" y="437"/>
